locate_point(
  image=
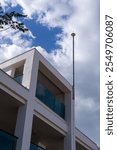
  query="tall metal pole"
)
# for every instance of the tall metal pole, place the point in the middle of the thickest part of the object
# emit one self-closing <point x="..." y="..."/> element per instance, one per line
<point x="73" y="35"/>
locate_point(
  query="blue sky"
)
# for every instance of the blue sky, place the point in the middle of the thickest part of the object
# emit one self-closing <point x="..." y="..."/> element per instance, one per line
<point x="50" y="27"/>
<point x="44" y="36"/>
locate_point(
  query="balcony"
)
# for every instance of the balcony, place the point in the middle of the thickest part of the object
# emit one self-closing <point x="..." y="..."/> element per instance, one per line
<point x="35" y="147"/>
<point x="18" y="78"/>
<point x="7" y="141"/>
<point x="43" y="94"/>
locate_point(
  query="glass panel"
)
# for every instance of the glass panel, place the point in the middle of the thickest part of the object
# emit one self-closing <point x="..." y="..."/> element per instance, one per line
<point x="35" y="147"/>
<point x="59" y="108"/>
<point x="7" y="142"/>
<point x="18" y="78"/>
<point x="50" y="100"/>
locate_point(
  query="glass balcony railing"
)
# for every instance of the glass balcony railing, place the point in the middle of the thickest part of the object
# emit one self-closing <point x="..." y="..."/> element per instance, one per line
<point x="50" y="100"/>
<point x="35" y="147"/>
<point x="7" y="141"/>
<point x="18" y="78"/>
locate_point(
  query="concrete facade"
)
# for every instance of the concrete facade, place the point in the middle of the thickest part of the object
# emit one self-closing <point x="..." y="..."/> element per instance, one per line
<point x="36" y="106"/>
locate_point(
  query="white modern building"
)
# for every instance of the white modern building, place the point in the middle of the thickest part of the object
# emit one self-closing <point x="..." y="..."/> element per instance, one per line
<point x="36" y="107"/>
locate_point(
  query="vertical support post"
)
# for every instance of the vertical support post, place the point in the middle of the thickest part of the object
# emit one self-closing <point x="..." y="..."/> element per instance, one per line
<point x="69" y="140"/>
<point x="73" y="35"/>
<point x="24" y="126"/>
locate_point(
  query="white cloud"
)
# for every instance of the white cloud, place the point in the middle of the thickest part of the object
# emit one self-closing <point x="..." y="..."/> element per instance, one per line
<point x="11" y="50"/>
<point x="12" y="43"/>
<point x="87" y="104"/>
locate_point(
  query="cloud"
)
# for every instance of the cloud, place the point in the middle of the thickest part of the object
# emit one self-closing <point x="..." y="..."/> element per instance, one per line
<point x="13" y="43"/>
<point x="81" y="17"/>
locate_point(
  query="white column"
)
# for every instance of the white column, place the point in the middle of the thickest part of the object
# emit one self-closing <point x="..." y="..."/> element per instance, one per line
<point x="34" y="73"/>
<point x="30" y="71"/>
<point x="24" y="126"/>
<point x="27" y="70"/>
<point x="69" y="140"/>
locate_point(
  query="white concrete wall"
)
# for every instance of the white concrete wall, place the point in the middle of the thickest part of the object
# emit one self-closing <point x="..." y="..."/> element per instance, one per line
<point x="33" y="106"/>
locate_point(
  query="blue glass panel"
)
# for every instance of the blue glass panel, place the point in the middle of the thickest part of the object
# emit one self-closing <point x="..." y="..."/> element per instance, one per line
<point x="62" y="111"/>
<point x="7" y="142"/>
<point x="50" y="100"/>
<point x="59" y="108"/>
<point x="35" y="147"/>
<point x="18" y="78"/>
